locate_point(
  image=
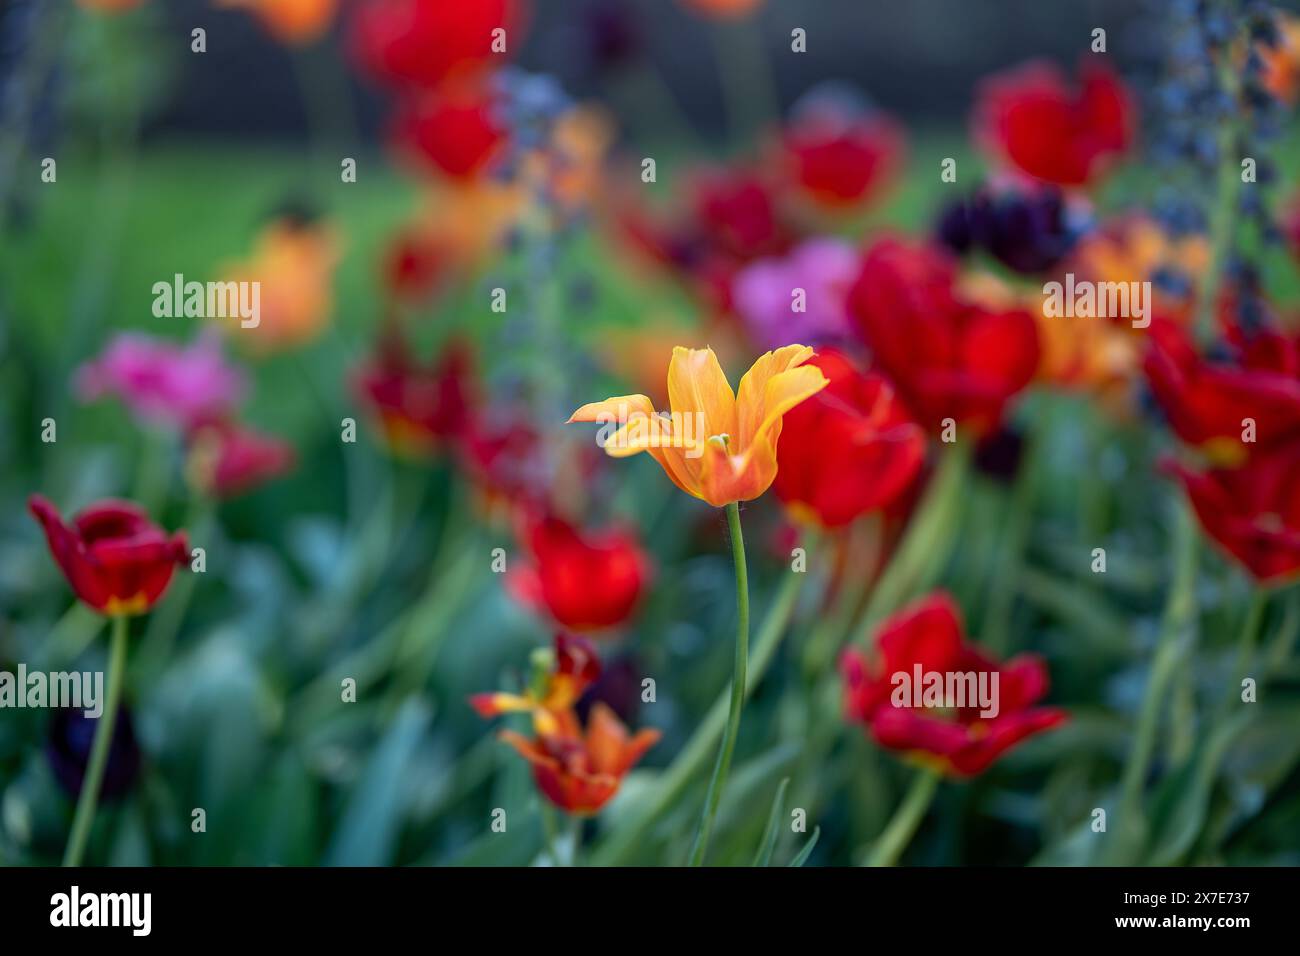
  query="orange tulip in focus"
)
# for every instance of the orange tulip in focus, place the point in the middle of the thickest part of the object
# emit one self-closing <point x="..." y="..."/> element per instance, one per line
<point x="715" y="445"/>
<point x="580" y="773"/>
<point x="289" y="21"/>
<point x="294" y="263"/>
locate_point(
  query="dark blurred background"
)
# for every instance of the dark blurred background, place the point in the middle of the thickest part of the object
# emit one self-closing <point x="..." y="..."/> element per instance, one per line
<point x="915" y="58"/>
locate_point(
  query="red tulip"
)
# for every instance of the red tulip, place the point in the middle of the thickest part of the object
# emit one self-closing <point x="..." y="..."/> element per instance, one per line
<point x="585" y="581"/>
<point x="1032" y="118"/>
<point x="850" y="449"/>
<point x="926" y="639"/>
<point x="502" y="454"/>
<point x="1261" y="345"/>
<point x="413" y="264"/>
<point x="115" y="559"/>
<point x="227" y="459"/>
<point x="737" y="213"/>
<point x="427" y="42"/>
<point x="733" y="218"/>
<point x="419" y="406"/>
<point x="842" y="161"/>
<point x="946" y="357"/>
<point x="453" y="134"/>
<point x="1252" y="511"/>
<point x="1207" y="403"/>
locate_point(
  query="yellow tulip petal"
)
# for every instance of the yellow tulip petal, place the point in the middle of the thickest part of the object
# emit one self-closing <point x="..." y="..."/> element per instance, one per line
<point x="636" y="436"/>
<point x="752" y="398"/>
<point x="742" y="465"/>
<point x="784" y="392"/>
<point x="620" y="408"/>
<point x="696" y="384"/>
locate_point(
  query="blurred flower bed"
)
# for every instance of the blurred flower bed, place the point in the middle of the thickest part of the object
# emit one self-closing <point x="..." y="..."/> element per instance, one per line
<point x="372" y="592"/>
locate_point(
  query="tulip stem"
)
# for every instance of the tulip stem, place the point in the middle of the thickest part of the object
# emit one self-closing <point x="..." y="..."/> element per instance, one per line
<point x="550" y="831"/>
<point x="575" y="838"/>
<point x="90" y="784"/>
<point x="1179" y="618"/>
<point x="902" y="826"/>
<point x="1246" y="642"/>
<point x="676" y="779"/>
<point x="738" y="679"/>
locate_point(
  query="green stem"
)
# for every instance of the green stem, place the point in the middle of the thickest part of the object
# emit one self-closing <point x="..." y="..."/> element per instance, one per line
<point x="552" y="834"/>
<point x="1246" y="642"/>
<point x="89" y="798"/>
<point x="160" y="636"/>
<point x="154" y="477"/>
<point x="738" y="680"/>
<point x="1180" y="610"/>
<point x="902" y="826"/>
<point x="575" y="838"/>
<point x="676" y="778"/>
<point x="1009" y="556"/>
<point x="926" y="545"/>
<point x="1287" y="632"/>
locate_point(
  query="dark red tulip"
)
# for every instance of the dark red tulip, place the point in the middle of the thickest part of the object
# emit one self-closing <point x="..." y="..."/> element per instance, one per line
<point x="737" y="213"/>
<point x="584" y="580"/>
<point x="116" y="560"/>
<point x="1208" y="404"/>
<point x="732" y="218"/>
<point x="1251" y="511"/>
<point x="1033" y="119"/>
<point x="850" y="449"/>
<point x="504" y="458"/>
<point x="947" y="358"/>
<point x="427" y="42"/>
<point x="420" y="406"/>
<point x="954" y="736"/>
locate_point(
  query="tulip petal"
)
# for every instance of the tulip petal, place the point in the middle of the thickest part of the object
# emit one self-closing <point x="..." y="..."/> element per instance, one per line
<point x="636" y="410"/>
<point x="606" y="739"/>
<point x="750" y="401"/>
<point x="697" y="384"/>
<point x="620" y="408"/>
<point x="492" y="704"/>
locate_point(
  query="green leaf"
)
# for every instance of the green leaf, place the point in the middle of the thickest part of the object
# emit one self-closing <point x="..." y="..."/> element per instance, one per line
<point x="802" y="857"/>
<point x="1184" y="801"/>
<point x="768" y="844"/>
<point x="367" y="836"/>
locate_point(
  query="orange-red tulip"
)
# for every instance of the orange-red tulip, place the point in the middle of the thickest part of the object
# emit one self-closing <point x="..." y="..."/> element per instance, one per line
<point x="574" y="668"/>
<point x="580" y="773"/>
<point x="715" y="445"/>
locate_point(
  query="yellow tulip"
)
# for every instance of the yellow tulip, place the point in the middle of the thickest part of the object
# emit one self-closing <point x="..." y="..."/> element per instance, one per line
<point x="715" y="445"/>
